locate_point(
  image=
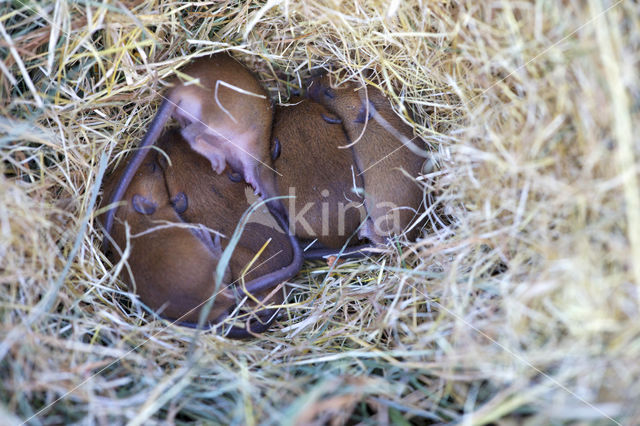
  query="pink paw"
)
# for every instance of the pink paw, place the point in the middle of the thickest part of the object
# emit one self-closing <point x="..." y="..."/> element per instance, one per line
<point x="251" y="180"/>
<point x="217" y="164"/>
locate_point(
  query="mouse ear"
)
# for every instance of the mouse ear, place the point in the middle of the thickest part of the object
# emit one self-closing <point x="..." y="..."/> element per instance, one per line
<point x="235" y="176"/>
<point x="155" y="129"/>
<point x="143" y="205"/>
<point x="180" y="202"/>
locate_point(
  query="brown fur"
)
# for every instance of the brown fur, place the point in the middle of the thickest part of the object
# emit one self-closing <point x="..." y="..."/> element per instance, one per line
<point x="174" y="268"/>
<point x="320" y="174"/>
<point x="239" y="135"/>
<point x="218" y="203"/>
<point x="379" y="155"/>
<point x="221" y="123"/>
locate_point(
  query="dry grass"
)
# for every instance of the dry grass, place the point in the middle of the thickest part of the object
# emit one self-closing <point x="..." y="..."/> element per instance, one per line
<point x="521" y="307"/>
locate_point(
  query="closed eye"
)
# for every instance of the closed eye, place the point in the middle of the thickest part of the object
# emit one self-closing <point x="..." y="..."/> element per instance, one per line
<point x="275" y="149"/>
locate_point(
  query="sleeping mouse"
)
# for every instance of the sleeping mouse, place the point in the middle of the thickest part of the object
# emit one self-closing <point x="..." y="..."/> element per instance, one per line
<point x="173" y="266"/>
<point x="387" y="165"/>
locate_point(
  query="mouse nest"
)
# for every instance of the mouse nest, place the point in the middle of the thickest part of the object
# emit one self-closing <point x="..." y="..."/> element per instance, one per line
<point x="519" y="302"/>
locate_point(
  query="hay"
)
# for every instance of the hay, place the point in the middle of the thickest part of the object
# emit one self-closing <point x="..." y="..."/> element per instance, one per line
<point x="519" y="304"/>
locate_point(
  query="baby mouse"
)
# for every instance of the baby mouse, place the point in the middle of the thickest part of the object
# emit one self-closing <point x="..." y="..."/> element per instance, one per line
<point x="226" y="117"/>
<point x="320" y="175"/>
<point x="218" y="202"/>
<point x="174" y="267"/>
<point x="391" y="196"/>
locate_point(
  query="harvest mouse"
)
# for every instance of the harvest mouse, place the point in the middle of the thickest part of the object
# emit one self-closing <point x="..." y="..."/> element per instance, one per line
<point x="174" y="267"/>
<point x="218" y="202"/>
<point x="226" y="117"/>
<point x="321" y="176"/>
<point x="391" y="196"/>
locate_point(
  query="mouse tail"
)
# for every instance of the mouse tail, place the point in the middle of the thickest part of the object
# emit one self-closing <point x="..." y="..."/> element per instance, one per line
<point x="266" y="318"/>
<point x="272" y="279"/>
<point x="279" y="212"/>
<point x="253" y="326"/>
<point x="155" y="129"/>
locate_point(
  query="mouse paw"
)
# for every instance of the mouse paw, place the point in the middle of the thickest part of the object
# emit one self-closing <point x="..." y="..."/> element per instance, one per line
<point x="251" y="180"/>
<point x="215" y="156"/>
<point x="217" y="246"/>
<point x="217" y="164"/>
